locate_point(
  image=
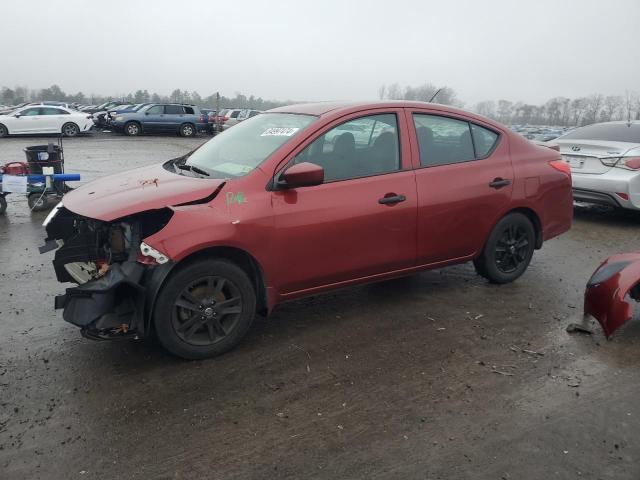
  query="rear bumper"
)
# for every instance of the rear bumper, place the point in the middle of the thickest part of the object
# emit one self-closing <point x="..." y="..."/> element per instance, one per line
<point x="605" y="189"/>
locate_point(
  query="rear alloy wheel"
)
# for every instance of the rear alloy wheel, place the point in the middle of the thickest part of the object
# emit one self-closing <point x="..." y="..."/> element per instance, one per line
<point x="187" y="130"/>
<point x="204" y="309"/>
<point x="132" y="129"/>
<point x="70" y="130"/>
<point x="508" y="250"/>
<point x="3" y="131"/>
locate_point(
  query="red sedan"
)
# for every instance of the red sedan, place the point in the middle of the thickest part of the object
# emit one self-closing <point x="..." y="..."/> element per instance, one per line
<point x="296" y="201"/>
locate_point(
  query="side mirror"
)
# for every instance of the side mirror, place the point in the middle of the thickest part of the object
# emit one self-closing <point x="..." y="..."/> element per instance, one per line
<point x="18" y="115"/>
<point x="303" y="174"/>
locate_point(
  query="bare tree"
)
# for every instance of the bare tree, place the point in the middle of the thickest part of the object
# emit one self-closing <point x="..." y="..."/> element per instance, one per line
<point x="381" y="92"/>
<point x="486" y="108"/>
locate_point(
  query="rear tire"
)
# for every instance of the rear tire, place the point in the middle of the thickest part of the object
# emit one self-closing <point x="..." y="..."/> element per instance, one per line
<point x="204" y="309"/>
<point x="187" y="130"/>
<point x="70" y="129"/>
<point x="3" y="131"/>
<point x="508" y="250"/>
<point x="132" y="129"/>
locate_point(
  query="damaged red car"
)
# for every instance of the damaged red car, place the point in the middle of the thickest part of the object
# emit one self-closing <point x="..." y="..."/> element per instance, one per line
<point x="296" y="201"/>
<point x="610" y="287"/>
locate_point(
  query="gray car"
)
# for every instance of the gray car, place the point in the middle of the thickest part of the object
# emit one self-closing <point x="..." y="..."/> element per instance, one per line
<point x="605" y="163"/>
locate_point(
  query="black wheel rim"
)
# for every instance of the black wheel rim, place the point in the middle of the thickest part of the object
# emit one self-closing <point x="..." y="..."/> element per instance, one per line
<point x="512" y="249"/>
<point x="206" y="311"/>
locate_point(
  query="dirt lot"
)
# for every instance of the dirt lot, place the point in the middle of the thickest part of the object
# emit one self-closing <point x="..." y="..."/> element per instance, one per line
<point x="440" y="375"/>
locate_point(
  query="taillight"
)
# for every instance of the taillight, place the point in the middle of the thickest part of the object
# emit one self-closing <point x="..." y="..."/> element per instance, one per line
<point x="632" y="163"/>
<point x="561" y="166"/>
<point x="202" y="117"/>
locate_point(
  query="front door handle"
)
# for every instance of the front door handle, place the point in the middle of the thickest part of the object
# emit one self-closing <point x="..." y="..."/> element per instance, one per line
<point x="499" y="183"/>
<point x="391" y="199"/>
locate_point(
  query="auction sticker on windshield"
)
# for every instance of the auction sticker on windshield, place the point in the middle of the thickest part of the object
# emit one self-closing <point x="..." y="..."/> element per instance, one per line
<point x="279" y="132"/>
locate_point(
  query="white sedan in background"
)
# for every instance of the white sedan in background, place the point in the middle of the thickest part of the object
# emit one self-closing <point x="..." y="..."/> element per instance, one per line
<point x="33" y="119"/>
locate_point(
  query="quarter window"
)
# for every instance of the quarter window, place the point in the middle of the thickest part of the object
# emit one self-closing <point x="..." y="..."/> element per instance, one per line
<point x="358" y="148"/>
<point x="483" y="140"/>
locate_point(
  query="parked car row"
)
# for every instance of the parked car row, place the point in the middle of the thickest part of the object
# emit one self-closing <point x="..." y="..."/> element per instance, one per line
<point x="130" y="119"/>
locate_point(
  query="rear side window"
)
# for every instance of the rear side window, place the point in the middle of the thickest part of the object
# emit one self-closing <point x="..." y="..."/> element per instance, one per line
<point x="443" y="140"/>
<point x="235" y="113"/>
<point x="52" y="111"/>
<point x="173" y="109"/>
<point x="483" y="139"/>
<point x="188" y="110"/>
<point x="612" y="132"/>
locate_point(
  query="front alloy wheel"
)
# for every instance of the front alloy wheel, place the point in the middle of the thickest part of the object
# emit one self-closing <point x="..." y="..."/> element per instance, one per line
<point x="132" y="129"/>
<point x="204" y="309"/>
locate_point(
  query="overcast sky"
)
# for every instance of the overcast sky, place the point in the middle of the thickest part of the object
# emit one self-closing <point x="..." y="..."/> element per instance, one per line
<point x="323" y="49"/>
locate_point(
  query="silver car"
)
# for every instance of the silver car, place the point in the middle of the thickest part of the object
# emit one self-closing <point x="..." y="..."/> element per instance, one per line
<point x="605" y="163"/>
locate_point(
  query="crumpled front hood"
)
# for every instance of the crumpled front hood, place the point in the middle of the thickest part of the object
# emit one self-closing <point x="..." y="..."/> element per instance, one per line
<point x="137" y="190"/>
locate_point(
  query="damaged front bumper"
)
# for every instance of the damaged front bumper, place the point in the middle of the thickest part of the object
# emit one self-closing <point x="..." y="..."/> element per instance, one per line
<point x="118" y="276"/>
<point x="615" y="280"/>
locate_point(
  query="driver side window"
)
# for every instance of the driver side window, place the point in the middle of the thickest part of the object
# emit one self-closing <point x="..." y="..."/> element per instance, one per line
<point x="29" y="112"/>
<point x="361" y="147"/>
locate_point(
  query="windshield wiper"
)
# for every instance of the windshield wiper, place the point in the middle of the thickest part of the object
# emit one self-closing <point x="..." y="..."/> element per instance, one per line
<point x="193" y="168"/>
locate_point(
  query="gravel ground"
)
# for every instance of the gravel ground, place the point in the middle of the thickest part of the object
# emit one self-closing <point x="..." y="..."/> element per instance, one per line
<point x="438" y="375"/>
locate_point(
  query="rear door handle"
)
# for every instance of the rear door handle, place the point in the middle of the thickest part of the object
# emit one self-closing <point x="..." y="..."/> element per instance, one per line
<point x="390" y="200"/>
<point x="499" y="183"/>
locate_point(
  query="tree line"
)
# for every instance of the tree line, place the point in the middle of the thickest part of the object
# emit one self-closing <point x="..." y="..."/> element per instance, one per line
<point x="20" y="94"/>
<point x="560" y="111"/>
<point x="563" y="111"/>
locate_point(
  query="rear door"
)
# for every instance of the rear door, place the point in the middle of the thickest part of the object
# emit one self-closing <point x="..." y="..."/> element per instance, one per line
<point x="362" y="220"/>
<point x="53" y="119"/>
<point x="464" y="180"/>
<point x="174" y="116"/>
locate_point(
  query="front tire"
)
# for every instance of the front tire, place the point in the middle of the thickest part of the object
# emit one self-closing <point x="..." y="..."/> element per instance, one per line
<point x="508" y="250"/>
<point x="3" y="131"/>
<point x="204" y="309"/>
<point x="70" y="129"/>
<point x="132" y="129"/>
<point x="187" y="130"/>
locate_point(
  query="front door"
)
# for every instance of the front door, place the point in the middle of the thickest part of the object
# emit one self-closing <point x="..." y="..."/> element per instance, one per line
<point x="464" y="179"/>
<point x="153" y="119"/>
<point x="362" y="220"/>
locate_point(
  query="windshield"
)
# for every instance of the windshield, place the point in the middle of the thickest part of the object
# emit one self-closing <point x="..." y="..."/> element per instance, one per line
<point x="612" y="132"/>
<point x="242" y="148"/>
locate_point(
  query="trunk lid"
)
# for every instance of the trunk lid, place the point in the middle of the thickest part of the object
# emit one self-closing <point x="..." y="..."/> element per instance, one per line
<point x="584" y="156"/>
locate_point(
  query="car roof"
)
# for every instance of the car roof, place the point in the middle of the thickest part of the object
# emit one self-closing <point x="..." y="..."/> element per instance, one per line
<point x="321" y="108"/>
<point x="339" y="108"/>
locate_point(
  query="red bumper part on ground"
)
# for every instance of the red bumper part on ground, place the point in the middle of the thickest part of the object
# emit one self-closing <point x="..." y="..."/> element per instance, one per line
<point x="607" y="290"/>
